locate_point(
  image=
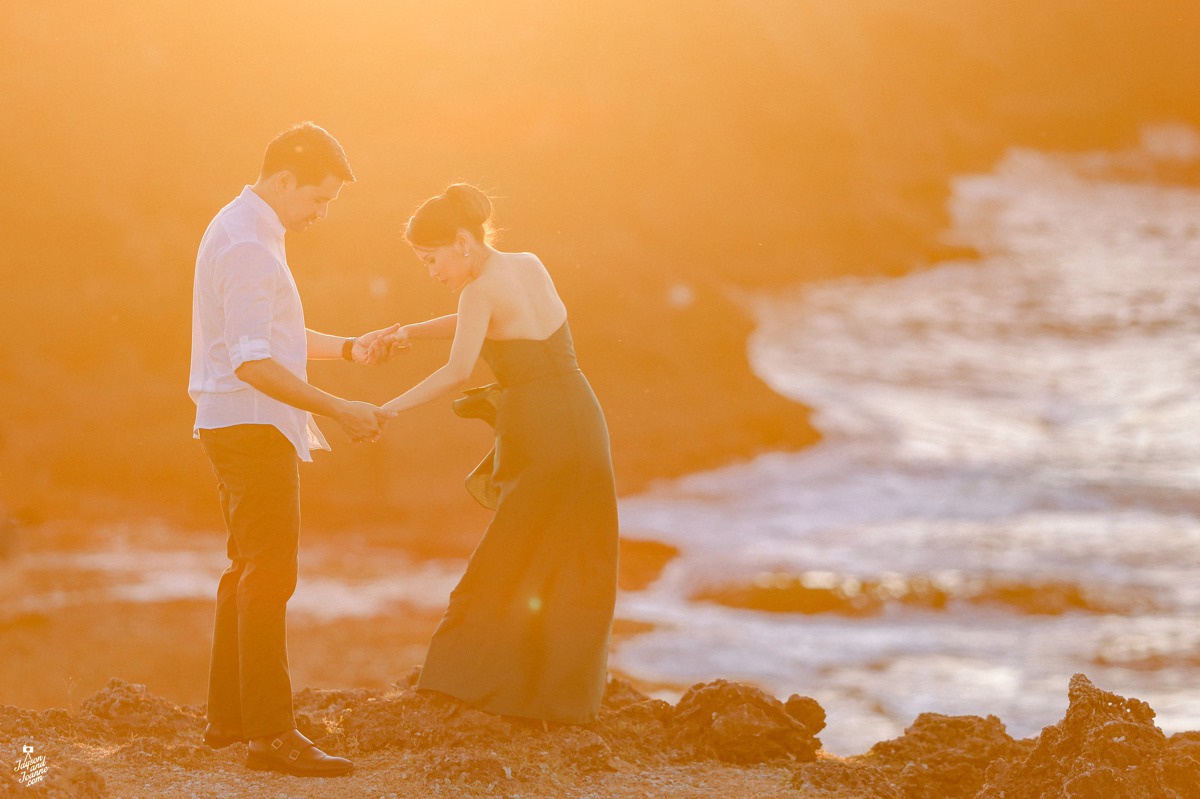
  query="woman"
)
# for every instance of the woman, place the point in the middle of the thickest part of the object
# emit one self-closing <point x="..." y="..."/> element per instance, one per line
<point x="527" y="629"/>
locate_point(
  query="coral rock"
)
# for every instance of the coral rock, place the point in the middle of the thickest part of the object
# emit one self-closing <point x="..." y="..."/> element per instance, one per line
<point x="944" y="757"/>
<point x="837" y="779"/>
<point x="35" y="725"/>
<point x="468" y="767"/>
<point x="620" y="693"/>
<point x="585" y="750"/>
<point x="413" y="720"/>
<point x="741" y="724"/>
<point x="1105" y="747"/>
<point x="807" y="711"/>
<point x="121" y="709"/>
<point x="938" y="757"/>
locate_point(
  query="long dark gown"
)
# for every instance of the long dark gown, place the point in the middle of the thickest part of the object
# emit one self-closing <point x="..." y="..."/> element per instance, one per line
<point x="527" y="629"/>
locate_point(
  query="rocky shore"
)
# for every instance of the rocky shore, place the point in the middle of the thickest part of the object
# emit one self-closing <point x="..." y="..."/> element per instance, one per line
<point x="720" y="739"/>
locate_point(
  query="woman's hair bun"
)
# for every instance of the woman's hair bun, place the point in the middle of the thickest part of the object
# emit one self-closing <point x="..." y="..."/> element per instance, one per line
<point x="473" y="204"/>
<point x="438" y="220"/>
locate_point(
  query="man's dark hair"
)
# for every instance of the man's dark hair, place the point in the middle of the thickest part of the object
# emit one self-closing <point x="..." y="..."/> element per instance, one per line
<point x="308" y="152"/>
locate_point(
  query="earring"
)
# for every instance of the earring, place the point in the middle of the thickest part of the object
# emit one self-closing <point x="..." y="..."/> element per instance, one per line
<point x="466" y="252"/>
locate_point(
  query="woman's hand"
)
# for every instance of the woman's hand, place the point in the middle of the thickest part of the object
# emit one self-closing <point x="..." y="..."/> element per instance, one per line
<point x="393" y="343"/>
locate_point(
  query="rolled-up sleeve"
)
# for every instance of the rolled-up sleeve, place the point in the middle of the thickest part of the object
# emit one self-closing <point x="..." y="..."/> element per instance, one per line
<point x="245" y="277"/>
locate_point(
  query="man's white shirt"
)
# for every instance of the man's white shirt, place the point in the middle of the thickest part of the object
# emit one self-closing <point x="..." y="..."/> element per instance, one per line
<point x="245" y="307"/>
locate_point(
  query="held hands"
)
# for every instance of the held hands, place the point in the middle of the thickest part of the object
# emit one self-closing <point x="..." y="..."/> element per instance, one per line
<point x="394" y="341"/>
<point x="378" y="346"/>
<point x="363" y="421"/>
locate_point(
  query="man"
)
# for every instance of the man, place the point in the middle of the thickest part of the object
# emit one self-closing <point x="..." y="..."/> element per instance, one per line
<point x="254" y="410"/>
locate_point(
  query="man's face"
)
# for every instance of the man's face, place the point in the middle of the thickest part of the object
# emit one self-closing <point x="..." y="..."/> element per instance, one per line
<point x="300" y="206"/>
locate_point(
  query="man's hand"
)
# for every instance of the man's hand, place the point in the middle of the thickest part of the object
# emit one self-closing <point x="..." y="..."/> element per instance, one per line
<point x="367" y="348"/>
<point x="363" y="421"/>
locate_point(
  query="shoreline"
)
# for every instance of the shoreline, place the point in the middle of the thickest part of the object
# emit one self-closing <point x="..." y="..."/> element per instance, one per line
<point x="75" y="610"/>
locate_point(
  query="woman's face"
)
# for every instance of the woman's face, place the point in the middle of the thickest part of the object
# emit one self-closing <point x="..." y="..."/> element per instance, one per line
<point x="446" y="264"/>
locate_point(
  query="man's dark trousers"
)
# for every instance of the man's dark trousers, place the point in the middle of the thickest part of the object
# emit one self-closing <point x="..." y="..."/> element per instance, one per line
<point x="249" y="686"/>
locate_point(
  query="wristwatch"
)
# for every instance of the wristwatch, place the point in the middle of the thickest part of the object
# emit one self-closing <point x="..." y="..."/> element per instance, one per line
<point x="348" y="348"/>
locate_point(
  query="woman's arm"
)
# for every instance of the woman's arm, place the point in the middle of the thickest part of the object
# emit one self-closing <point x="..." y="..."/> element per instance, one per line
<point x="470" y="329"/>
<point x="400" y="337"/>
<point x="441" y="328"/>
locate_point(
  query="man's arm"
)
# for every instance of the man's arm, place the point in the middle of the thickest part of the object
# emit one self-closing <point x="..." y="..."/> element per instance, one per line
<point x="246" y="276"/>
<point x="324" y="347"/>
<point x="361" y="420"/>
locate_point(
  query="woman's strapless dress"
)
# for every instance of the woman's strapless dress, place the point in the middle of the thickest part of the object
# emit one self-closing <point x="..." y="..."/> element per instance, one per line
<point x="527" y="629"/>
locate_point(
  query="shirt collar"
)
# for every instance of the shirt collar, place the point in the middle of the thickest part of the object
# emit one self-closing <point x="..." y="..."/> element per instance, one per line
<point x="264" y="211"/>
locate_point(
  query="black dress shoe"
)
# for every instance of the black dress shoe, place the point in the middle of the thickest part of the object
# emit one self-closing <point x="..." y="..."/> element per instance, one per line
<point x="218" y="736"/>
<point x="292" y="753"/>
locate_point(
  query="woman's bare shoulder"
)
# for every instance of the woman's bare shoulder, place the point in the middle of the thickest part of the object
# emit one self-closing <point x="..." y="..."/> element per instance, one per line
<point x="517" y="266"/>
<point x="534" y="264"/>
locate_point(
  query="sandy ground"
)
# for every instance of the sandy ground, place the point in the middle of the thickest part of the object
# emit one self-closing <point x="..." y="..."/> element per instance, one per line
<point x="395" y="776"/>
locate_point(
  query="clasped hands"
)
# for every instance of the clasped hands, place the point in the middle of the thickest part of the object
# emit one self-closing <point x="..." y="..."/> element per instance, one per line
<point x="363" y="421"/>
<point x="380" y="346"/>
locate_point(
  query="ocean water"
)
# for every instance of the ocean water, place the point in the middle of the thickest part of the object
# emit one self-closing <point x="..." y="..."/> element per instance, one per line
<point x="151" y="562"/>
<point x="1029" y="418"/>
